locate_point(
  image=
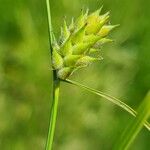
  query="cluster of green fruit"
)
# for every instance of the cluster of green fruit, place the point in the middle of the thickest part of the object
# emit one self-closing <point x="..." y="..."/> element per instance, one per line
<point x="79" y="41"/>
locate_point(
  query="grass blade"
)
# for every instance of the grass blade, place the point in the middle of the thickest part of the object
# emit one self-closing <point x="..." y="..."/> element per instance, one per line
<point x="109" y="98"/>
<point x="135" y="126"/>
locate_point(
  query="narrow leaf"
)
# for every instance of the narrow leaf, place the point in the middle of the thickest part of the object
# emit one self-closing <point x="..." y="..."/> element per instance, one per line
<point x="109" y="98"/>
<point x="135" y="126"/>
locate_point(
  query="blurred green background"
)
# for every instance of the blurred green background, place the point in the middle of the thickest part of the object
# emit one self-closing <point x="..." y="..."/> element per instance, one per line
<point x="84" y="120"/>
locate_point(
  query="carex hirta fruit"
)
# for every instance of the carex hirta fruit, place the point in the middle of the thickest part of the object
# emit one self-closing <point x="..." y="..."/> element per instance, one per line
<point x="79" y="42"/>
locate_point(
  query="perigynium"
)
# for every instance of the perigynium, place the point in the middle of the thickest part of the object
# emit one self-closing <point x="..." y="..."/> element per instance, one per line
<point x="78" y="46"/>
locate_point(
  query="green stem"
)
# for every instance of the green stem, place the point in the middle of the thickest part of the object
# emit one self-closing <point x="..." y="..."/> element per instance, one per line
<point x="53" y="115"/>
<point x="49" y="24"/>
<point x="56" y="85"/>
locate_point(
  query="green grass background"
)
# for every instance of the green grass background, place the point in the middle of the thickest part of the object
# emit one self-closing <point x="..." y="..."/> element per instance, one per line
<point x="84" y="120"/>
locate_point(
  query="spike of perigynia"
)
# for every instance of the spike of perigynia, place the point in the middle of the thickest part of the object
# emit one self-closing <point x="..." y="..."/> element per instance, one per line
<point x="80" y="40"/>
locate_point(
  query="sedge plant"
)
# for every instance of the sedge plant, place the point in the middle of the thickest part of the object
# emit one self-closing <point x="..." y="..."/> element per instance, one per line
<point x="78" y="46"/>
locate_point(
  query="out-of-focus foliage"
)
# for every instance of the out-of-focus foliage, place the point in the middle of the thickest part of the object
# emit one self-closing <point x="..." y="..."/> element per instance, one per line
<point x="84" y="121"/>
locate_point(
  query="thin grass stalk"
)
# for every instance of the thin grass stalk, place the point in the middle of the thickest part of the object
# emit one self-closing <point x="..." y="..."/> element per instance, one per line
<point x="53" y="115"/>
<point x="56" y="85"/>
<point x="132" y="130"/>
<point x="109" y="98"/>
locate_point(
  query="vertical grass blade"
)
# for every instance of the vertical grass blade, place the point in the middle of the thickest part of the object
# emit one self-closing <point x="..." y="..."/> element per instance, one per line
<point x="56" y="85"/>
<point x="109" y="98"/>
<point x="135" y="126"/>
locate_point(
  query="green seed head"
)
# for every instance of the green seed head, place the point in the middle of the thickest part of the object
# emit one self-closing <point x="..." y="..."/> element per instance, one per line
<point x="79" y="40"/>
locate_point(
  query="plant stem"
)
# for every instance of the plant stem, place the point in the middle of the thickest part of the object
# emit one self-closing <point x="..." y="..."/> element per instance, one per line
<point x="49" y="24"/>
<point x="53" y="115"/>
<point x="56" y="85"/>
